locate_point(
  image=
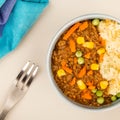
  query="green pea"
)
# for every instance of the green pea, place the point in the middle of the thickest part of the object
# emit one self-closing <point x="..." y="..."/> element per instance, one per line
<point x="113" y="98"/>
<point x="78" y="53"/>
<point x="100" y="100"/>
<point x="81" y="60"/>
<point x="118" y="95"/>
<point x="99" y="93"/>
<point x="94" y="90"/>
<point x="96" y="22"/>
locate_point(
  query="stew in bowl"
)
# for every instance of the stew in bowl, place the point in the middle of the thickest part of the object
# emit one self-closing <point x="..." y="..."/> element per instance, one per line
<point x="84" y="60"/>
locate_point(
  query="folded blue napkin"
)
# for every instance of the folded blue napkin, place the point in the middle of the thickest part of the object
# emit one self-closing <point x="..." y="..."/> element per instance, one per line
<point x="21" y="19"/>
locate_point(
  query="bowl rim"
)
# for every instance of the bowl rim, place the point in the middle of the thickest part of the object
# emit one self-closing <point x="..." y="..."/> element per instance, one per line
<point x="49" y="54"/>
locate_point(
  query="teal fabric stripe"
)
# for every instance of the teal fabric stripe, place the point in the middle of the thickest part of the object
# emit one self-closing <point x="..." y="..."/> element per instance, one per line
<point x="20" y="21"/>
<point x="2" y="2"/>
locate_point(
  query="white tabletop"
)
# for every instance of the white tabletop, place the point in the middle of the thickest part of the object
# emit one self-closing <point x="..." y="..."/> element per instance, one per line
<point x="42" y="101"/>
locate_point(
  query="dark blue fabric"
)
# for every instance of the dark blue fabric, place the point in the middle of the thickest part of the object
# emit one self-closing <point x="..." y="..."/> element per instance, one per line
<point x="1" y="29"/>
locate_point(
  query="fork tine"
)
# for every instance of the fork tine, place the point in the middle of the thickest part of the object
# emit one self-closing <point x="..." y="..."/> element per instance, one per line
<point x="32" y="76"/>
<point x="28" y="73"/>
<point x="23" y="70"/>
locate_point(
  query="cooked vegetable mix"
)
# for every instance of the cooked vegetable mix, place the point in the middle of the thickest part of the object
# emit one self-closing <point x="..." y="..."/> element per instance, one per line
<point x="79" y="66"/>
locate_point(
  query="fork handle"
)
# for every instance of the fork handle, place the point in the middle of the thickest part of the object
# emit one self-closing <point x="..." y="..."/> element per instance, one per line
<point x="3" y="114"/>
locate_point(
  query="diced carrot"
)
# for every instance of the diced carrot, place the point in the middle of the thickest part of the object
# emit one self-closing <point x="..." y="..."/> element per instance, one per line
<point x="72" y="45"/>
<point x="101" y="57"/>
<point x="83" y="26"/>
<point x="86" y="94"/>
<point x="75" y="63"/>
<point x="64" y="67"/>
<point x="71" y="30"/>
<point x="82" y="72"/>
<point x="63" y="63"/>
<point x="91" y="87"/>
<point x="103" y="42"/>
<point x="75" y="60"/>
<point x="67" y="69"/>
<point x="89" y="83"/>
<point x="72" y="83"/>
<point x="90" y="72"/>
<point x="87" y="55"/>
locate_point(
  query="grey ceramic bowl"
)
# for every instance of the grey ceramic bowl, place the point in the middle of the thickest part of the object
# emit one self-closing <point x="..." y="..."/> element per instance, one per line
<point x="52" y="45"/>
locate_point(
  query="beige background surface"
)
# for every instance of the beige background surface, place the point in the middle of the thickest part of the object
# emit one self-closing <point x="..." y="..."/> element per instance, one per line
<point x="42" y="102"/>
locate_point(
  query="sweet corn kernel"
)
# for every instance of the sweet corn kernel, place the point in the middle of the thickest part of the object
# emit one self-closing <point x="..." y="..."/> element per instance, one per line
<point x="81" y="84"/>
<point x="103" y="84"/>
<point x="89" y="45"/>
<point x="101" y="51"/>
<point x="61" y="72"/>
<point x="94" y="66"/>
<point x="80" y="40"/>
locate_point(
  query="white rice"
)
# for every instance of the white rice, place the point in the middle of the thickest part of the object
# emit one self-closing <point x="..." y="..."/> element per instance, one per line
<point x="110" y="67"/>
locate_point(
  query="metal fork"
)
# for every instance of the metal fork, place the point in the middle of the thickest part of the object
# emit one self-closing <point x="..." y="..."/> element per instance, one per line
<point x="19" y="87"/>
